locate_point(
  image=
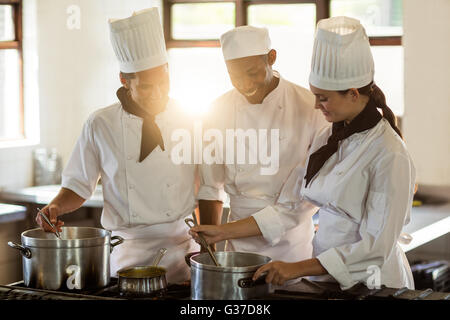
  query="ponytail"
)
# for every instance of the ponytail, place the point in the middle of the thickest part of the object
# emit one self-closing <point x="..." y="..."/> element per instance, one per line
<point x="380" y="101"/>
<point x="374" y="92"/>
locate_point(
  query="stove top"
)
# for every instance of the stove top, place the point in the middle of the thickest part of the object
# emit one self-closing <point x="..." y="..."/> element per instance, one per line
<point x="18" y="291"/>
<point x="302" y="290"/>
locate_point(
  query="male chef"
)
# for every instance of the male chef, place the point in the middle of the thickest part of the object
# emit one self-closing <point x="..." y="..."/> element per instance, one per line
<point x="128" y="145"/>
<point x="263" y="199"/>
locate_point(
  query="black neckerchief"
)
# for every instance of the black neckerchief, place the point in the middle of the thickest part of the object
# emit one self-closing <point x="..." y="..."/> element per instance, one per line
<point x="151" y="135"/>
<point x="366" y="119"/>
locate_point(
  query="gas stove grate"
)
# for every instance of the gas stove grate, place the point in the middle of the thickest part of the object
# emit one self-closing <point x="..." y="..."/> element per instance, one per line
<point x="18" y="290"/>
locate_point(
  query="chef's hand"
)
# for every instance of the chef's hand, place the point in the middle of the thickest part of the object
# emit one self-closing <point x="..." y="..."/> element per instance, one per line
<point x="278" y="272"/>
<point x="211" y="233"/>
<point x="52" y="211"/>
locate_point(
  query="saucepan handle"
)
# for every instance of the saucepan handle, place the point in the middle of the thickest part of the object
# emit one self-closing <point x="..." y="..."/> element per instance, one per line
<point x="23" y="250"/>
<point x="250" y="283"/>
<point x="113" y="244"/>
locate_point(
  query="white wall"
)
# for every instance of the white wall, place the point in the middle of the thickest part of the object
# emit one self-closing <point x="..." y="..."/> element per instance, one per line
<point x="427" y="88"/>
<point x="69" y="74"/>
<point x="78" y="70"/>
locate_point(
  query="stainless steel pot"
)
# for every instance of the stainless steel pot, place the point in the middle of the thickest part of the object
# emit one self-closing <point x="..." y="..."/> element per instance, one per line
<point x="142" y="280"/>
<point x="231" y="281"/>
<point x="79" y="260"/>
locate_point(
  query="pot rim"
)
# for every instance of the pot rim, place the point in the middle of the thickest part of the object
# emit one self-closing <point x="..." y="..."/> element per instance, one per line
<point x="56" y="243"/>
<point x="123" y="270"/>
<point x="223" y="269"/>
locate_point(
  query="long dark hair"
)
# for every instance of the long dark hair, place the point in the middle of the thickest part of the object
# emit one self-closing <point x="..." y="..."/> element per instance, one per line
<point x="374" y="92"/>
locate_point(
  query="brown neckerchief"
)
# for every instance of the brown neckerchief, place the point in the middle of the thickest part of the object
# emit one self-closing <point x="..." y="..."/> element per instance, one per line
<point x="365" y="120"/>
<point x="151" y="135"/>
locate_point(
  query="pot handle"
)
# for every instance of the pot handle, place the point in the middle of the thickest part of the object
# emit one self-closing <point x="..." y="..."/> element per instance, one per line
<point x="187" y="257"/>
<point x="119" y="241"/>
<point x="23" y="250"/>
<point x="250" y="283"/>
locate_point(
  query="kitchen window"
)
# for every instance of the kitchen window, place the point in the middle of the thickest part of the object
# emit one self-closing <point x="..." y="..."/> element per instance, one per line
<point x="11" y="72"/>
<point x="193" y="28"/>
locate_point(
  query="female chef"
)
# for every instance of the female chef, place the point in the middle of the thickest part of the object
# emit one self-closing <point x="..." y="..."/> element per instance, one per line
<point x="360" y="175"/>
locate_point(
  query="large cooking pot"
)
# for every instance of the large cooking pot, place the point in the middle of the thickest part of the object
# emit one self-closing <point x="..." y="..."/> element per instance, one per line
<point x="231" y="281"/>
<point x="79" y="260"/>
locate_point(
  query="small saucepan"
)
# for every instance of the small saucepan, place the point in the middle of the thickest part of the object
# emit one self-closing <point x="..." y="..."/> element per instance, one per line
<point x="143" y="280"/>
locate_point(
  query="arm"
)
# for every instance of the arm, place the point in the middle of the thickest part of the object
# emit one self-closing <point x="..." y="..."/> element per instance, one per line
<point x="65" y="201"/>
<point x="271" y="222"/>
<point x="79" y="179"/>
<point x="210" y="211"/>
<point x="233" y="230"/>
<point x="288" y="211"/>
<point x="211" y="195"/>
<point x="279" y="272"/>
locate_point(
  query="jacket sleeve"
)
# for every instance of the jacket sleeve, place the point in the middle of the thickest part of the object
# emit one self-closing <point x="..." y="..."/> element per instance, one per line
<point x="290" y="208"/>
<point x="387" y="207"/>
<point x="212" y="180"/>
<point x="83" y="169"/>
<point x="288" y="211"/>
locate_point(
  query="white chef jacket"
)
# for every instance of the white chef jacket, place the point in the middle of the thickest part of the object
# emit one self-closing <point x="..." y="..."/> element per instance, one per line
<point x="273" y="200"/>
<point x="365" y="193"/>
<point x="145" y="202"/>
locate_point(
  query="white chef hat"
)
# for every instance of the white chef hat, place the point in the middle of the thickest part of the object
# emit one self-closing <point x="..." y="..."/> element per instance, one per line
<point x="138" y="41"/>
<point x="245" y="41"/>
<point x="341" y="56"/>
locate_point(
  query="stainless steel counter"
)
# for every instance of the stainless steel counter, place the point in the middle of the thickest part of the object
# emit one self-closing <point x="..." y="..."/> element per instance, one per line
<point x="44" y="194"/>
<point x="11" y="213"/>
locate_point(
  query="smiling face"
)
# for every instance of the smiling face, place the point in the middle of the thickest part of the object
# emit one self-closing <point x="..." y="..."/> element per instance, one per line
<point x="149" y="88"/>
<point x="337" y="106"/>
<point x="252" y="76"/>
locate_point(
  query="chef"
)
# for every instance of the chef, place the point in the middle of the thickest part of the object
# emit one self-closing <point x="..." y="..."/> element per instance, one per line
<point x="264" y="206"/>
<point x="360" y="175"/>
<point x="128" y="146"/>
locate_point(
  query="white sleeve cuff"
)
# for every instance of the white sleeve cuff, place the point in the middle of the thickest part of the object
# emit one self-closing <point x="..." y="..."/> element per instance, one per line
<point x="77" y="187"/>
<point x="210" y="193"/>
<point x="270" y="224"/>
<point x="333" y="263"/>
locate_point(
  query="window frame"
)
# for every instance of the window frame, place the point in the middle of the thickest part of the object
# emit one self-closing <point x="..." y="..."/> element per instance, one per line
<point x="241" y="11"/>
<point x="16" y="44"/>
